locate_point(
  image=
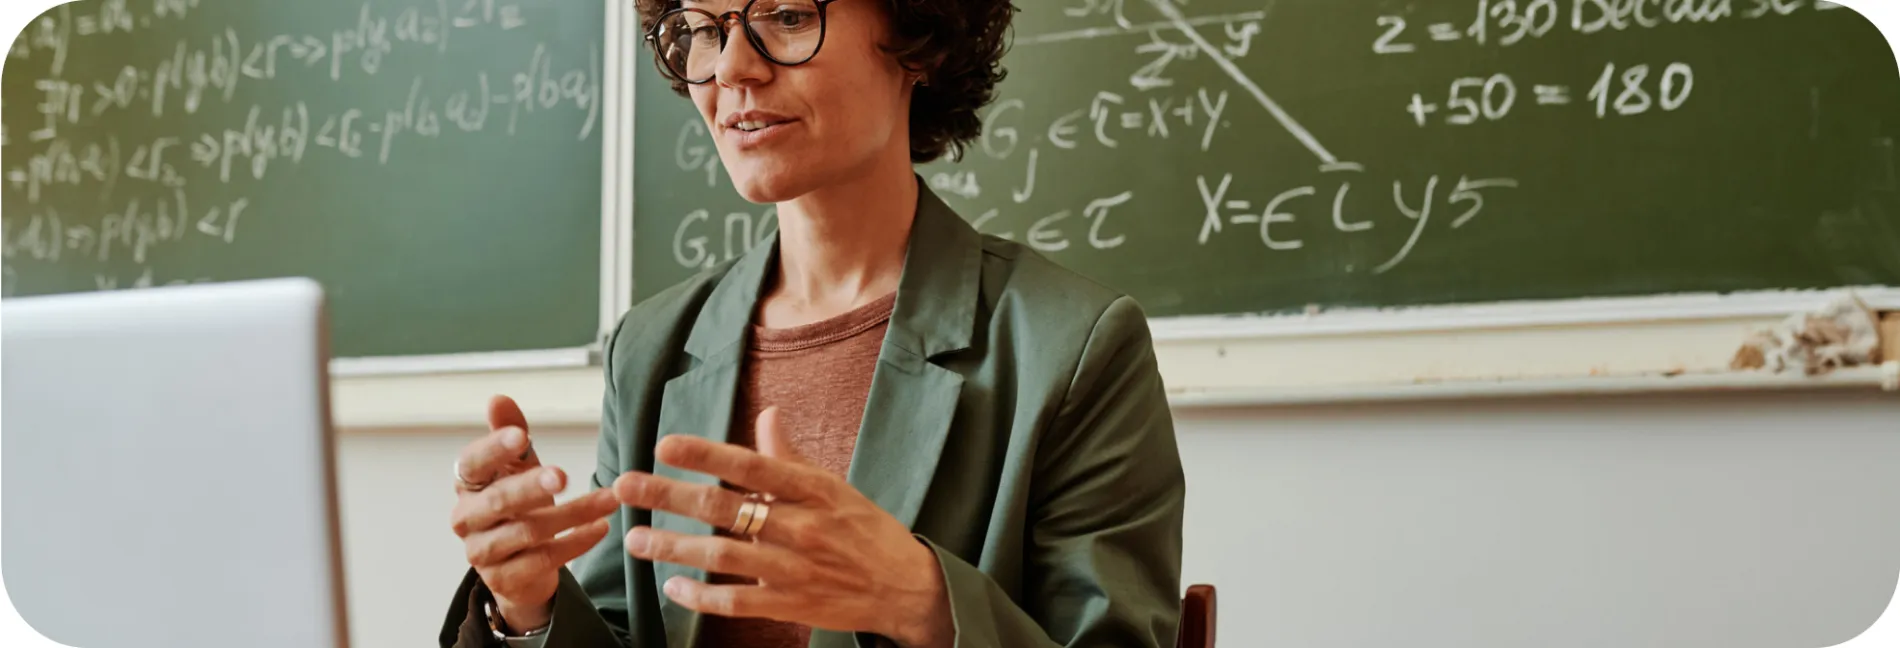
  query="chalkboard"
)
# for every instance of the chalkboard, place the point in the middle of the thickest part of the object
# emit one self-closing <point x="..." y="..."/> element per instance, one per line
<point x="1222" y="157"/>
<point x="436" y="164"/>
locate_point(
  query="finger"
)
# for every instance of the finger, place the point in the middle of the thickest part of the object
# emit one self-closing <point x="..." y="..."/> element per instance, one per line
<point x="503" y="412"/>
<point x="500" y="453"/>
<point x="550" y="557"/>
<point x="576" y="543"/>
<point x="710" y="504"/>
<point x="784" y="525"/>
<point x="715" y="554"/>
<point x="747" y="469"/>
<point x="508" y="497"/>
<point x="538" y="527"/>
<point x="774" y="440"/>
<point x="733" y="600"/>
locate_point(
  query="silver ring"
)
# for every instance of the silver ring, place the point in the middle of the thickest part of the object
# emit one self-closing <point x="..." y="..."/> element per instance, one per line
<point x="464" y="482"/>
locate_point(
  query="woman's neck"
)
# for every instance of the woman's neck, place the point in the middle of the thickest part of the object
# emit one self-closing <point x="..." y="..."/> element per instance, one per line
<point x="841" y="247"/>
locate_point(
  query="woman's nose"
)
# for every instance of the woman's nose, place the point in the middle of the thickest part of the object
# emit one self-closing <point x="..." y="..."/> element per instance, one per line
<point x="740" y="63"/>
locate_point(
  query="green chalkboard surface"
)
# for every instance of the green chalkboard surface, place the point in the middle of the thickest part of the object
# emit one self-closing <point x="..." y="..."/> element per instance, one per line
<point x="1230" y="156"/>
<point x="434" y="163"/>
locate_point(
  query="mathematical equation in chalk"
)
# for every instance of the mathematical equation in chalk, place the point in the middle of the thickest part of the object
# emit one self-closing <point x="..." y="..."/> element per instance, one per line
<point x="132" y="230"/>
<point x="182" y="81"/>
<point x="1226" y="208"/>
<point x="373" y="36"/>
<point x="1616" y="92"/>
<point x="271" y="133"/>
<point x="113" y="172"/>
<point x="1506" y="23"/>
<point x="1165" y="125"/>
<point x="1153" y="111"/>
<point x="702" y="241"/>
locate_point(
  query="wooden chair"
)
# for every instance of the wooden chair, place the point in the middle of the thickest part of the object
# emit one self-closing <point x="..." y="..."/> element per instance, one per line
<point x="1197" y="618"/>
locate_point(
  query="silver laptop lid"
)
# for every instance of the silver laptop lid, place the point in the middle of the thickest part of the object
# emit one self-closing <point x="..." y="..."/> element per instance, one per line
<point x="166" y="467"/>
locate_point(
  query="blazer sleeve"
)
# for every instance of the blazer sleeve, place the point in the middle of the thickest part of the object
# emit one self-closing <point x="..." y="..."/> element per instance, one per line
<point x="591" y="603"/>
<point x="1103" y="563"/>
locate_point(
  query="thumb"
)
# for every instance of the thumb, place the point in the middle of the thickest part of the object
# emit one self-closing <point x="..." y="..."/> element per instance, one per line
<point x="503" y="412"/>
<point x="773" y="439"/>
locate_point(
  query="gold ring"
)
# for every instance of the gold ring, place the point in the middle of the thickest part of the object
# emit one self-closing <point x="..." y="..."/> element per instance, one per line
<point x="467" y="485"/>
<point x="758" y="520"/>
<point x="746" y="512"/>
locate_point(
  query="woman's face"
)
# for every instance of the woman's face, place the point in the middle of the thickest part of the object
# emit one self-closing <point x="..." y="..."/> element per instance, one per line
<point x="784" y="131"/>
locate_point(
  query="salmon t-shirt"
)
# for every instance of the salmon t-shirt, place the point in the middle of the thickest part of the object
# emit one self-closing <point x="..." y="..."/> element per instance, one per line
<point x="819" y="376"/>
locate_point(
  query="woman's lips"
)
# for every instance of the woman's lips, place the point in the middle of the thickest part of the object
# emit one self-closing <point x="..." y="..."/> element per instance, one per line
<point x="749" y="139"/>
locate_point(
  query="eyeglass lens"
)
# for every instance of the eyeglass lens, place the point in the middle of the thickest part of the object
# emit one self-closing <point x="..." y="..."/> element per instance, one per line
<point x="786" y="31"/>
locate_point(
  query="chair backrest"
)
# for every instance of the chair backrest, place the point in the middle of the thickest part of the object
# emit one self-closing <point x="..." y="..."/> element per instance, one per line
<point x="1197" y="618"/>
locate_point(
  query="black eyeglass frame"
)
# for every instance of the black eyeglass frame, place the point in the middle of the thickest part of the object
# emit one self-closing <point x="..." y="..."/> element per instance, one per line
<point x="652" y="37"/>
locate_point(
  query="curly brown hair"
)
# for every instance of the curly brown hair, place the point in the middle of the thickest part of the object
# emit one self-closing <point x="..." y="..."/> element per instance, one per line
<point x="956" y="45"/>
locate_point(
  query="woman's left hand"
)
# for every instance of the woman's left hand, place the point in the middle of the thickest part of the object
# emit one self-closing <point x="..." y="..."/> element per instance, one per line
<point x="826" y="557"/>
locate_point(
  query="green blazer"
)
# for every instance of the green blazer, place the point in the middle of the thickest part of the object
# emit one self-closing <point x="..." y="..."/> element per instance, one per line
<point x="1016" y="423"/>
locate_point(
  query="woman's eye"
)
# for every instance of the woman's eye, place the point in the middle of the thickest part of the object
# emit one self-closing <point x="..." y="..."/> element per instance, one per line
<point x="790" y="19"/>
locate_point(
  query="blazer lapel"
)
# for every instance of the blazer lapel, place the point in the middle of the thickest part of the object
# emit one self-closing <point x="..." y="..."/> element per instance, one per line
<point x="909" y="412"/>
<point x="913" y="401"/>
<point x="699" y="403"/>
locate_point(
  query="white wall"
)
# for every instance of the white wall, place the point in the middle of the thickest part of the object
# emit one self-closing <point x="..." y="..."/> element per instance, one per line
<point x="1756" y="519"/>
<point x="402" y="562"/>
<point x="1749" y="520"/>
<point x="1616" y="501"/>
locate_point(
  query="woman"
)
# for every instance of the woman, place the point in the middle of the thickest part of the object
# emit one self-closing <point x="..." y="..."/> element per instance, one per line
<point x="882" y="427"/>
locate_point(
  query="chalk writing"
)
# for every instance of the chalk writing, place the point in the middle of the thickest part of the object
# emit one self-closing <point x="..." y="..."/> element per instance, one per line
<point x="1112" y="117"/>
<point x="173" y="9"/>
<point x="693" y="151"/>
<point x="737" y="233"/>
<point x="1057" y="231"/>
<point x="1139" y="29"/>
<point x="1633" y="96"/>
<point x="538" y="87"/>
<point x="134" y="229"/>
<point x="959" y="183"/>
<point x="222" y="63"/>
<point x="1507" y="23"/>
<point x="1225" y="206"/>
<point x="150" y="149"/>
<point x="52" y="33"/>
<point x="1089" y="161"/>
<point x="61" y="163"/>
<point x="108" y="17"/>
<point x="143" y="279"/>
<point x="1616" y="92"/>
<point x="475" y="13"/>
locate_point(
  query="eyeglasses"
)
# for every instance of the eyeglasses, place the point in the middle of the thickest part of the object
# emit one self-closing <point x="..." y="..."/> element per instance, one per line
<point x="687" y="42"/>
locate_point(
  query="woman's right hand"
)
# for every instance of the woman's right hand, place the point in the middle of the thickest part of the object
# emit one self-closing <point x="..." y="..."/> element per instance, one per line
<point x="517" y="538"/>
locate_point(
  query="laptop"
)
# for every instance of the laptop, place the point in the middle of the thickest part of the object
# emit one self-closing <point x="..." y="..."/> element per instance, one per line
<point x="167" y="467"/>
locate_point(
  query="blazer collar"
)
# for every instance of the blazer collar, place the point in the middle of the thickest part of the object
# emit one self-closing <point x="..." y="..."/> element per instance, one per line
<point x="936" y="296"/>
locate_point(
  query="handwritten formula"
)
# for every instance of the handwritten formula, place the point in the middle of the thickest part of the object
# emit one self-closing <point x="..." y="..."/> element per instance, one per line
<point x="142" y="133"/>
<point x="1222" y="155"/>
